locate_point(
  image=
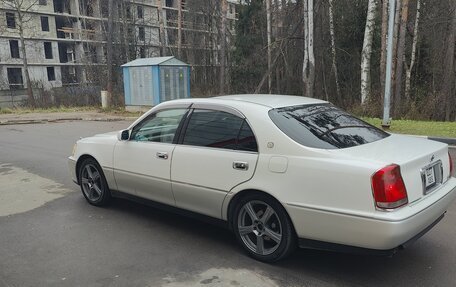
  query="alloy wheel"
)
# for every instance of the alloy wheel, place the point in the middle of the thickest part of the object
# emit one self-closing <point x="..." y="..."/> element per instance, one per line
<point x="91" y="182"/>
<point x="259" y="227"/>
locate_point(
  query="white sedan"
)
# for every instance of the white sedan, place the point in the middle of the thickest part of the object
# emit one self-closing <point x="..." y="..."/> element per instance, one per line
<point x="280" y="171"/>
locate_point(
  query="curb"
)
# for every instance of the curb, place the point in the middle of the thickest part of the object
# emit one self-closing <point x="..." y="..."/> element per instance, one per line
<point x="43" y="121"/>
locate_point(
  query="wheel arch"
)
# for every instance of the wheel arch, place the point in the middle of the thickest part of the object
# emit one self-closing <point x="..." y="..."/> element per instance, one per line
<point x="239" y="195"/>
<point x="80" y="161"/>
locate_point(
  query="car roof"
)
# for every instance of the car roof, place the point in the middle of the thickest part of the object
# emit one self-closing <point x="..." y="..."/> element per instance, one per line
<point x="272" y="101"/>
<point x="265" y="100"/>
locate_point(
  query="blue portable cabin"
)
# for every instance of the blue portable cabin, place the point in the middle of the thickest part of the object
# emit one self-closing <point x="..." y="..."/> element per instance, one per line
<point x="150" y="81"/>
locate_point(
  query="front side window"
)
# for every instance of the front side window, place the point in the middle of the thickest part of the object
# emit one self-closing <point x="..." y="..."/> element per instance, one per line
<point x="324" y="126"/>
<point x="159" y="127"/>
<point x="246" y="139"/>
<point x="219" y="130"/>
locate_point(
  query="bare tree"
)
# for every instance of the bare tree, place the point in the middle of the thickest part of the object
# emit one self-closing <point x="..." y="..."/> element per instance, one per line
<point x="383" y="44"/>
<point x="161" y="35"/>
<point x="400" y="56"/>
<point x="409" y="68"/>
<point x="448" y="77"/>
<point x="308" y="66"/>
<point x="23" y="9"/>
<point x="179" y="29"/>
<point x="223" y="46"/>
<point x="367" y="50"/>
<point x="109" y="52"/>
<point x="333" y="49"/>
<point x="397" y="22"/>
<point x="268" y="33"/>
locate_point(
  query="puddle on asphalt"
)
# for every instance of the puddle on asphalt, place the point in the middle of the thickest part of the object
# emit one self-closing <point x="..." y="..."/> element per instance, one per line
<point x="21" y="191"/>
<point x="221" y="277"/>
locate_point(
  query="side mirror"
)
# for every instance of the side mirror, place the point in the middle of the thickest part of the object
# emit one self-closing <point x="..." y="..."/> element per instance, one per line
<point x="123" y="135"/>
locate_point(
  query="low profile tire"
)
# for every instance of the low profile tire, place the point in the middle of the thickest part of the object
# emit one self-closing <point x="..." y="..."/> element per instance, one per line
<point x="93" y="183"/>
<point x="263" y="228"/>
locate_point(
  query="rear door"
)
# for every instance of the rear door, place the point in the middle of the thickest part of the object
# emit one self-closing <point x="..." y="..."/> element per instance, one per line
<point x="218" y="151"/>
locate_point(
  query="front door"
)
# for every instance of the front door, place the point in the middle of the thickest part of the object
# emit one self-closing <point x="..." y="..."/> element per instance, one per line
<point x="142" y="164"/>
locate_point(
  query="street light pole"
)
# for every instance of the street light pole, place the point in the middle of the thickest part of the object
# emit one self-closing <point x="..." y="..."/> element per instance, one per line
<point x="389" y="59"/>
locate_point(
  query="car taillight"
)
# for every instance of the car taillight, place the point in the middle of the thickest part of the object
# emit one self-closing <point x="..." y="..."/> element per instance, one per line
<point x="451" y="164"/>
<point x="388" y="188"/>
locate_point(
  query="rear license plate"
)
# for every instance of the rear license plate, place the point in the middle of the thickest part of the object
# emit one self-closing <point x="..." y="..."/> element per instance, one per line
<point x="429" y="176"/>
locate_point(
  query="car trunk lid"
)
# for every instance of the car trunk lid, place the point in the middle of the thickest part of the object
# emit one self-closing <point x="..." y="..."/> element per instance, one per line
<point x="424" y="163"/>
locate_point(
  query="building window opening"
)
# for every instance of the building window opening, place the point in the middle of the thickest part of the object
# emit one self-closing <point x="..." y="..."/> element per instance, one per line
<point x="48" y="50"/>
<point x="141" y="34"/>
<point x="10" y="20"/>
<point x="140" y="12"/>
<point x="51" y="73"/>
<point x="15" y="79"/>
<point x="14" y="49"/>
<point x="45" y="23"/>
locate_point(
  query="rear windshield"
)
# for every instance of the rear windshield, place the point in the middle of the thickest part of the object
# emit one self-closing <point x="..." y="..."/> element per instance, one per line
<point x="324" y="126"/>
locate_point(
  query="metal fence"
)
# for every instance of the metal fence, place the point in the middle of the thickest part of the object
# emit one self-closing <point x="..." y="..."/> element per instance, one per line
<point x="63" y="96"/>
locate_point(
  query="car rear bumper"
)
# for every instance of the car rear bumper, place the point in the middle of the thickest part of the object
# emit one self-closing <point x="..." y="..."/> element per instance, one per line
<point x="72" y="169"/>
<point x="371" y="233"/>
<point x="321" y="245"/>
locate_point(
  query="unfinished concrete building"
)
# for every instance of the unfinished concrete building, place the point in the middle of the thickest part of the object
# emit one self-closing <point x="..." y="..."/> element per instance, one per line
<point x="65" y="40"/>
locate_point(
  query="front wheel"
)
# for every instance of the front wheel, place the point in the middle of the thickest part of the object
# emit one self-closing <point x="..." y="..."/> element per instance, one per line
<point x="263" y="228"/>
<point x="93" y="183"/>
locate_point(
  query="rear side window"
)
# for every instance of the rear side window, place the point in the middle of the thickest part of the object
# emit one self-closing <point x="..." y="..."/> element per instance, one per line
<point x="324" y="126"/>
<point x="246" y="139"/>
<point x="219" y="130"/>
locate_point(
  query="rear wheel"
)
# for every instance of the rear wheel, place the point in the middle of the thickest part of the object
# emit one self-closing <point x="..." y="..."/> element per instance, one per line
<point x="93" y="183"/>
<point x="263" y="228"/>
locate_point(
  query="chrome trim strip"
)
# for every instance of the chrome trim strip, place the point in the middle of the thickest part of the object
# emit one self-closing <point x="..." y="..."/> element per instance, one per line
<point x="140" y="174"/>
<point x="218" y="148"/>
<point x="218" y="107"/>
<point x="196" y="185"/>
<point x="174" y="106"/>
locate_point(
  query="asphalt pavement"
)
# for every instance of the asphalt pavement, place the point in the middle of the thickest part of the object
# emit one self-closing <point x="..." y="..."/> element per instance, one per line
<point x="49" y="235"/>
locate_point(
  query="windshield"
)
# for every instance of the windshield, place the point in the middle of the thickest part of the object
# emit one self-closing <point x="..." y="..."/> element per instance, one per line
<point x="324" y="126"/>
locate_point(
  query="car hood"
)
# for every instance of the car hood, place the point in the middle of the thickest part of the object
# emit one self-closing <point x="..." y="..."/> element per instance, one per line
<point x="101" y="137"/>
<point x="110" y="134"/>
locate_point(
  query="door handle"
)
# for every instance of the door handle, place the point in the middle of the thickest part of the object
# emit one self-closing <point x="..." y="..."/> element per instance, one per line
<point x="240" y="165"/>
<point x="162" y="155"/>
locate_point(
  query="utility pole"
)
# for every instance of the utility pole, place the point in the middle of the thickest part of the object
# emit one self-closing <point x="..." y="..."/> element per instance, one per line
<point x="389" y="59"/>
